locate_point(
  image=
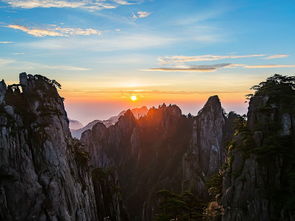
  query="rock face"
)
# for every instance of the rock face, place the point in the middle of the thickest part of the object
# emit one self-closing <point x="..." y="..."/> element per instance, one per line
<point x="259" y="180"/>
<point x="45" y="174"/>
<point x="206" y="153"/>
<point x="146" y="154"/>
<point x="162" y="150"/>
<point x="41" y="178"/>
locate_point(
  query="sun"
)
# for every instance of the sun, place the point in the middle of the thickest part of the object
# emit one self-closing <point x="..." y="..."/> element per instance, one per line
<point x="133" y="97"/>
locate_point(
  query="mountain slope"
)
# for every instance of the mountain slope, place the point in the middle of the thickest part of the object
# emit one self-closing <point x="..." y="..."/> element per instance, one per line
<point x="162" y="150"/>
<point x="137" y="112"/>
<point x="259" y="180"/>
<point x="41" y="178"/>
<point x="44" y="173"/>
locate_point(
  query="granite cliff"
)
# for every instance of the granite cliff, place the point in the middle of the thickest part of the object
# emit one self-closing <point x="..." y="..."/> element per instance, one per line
<point x="162" y="150"/>
<point x="160" y="166"/>
<point x="44" y="173"/>
<point x="258" y="182"/>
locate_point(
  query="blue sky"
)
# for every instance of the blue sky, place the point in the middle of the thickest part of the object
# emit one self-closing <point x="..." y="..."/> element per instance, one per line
<point x="178" y="51"/>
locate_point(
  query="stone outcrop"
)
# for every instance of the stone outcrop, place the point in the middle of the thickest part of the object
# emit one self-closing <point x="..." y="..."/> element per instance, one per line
<point x="258" y="183"/>
<point x="162" y="150"/>
<point x="206" y="153"/>
<point x="244" y="167"/>
<point x="41" y="177"/>
<point x="44" y="173"/>
<point x="146" y="154"/>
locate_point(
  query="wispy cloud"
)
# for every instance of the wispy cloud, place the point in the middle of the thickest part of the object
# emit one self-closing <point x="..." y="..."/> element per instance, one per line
<point x="123" y="2"/>
<point x="277" y="56"/>
<point x="6" y="42"/>
<point x="25" y="65"/>
<point x="183" y="59"/>
<point x="270" y="66"/>
<point x="85" y="4"/>
<point x="35" y="32"/>
<point x="78" y="31"/>
<point x="4" y="61"/>
<point x="192" y="68"/>
<point x="141" y="14"/>
<point x="59" y="4"/>
<point x="110" y="43"/>
<point x="55" y="31"/>
<point x="214" y="67"/>
<point x="201" y="16"/>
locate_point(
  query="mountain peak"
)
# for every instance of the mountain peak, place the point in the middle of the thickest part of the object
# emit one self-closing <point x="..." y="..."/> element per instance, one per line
<point x="212" y="105"/>
<point x="213" y="100"/>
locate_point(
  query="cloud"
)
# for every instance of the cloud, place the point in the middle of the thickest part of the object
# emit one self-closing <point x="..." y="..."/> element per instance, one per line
<point x="25" y="65"/>
<point x="55" y="31"/>
<point x="32" y="65"/>
<point x="6" y="42"/>
<point x="277" y="56"/>
<point x="62" y="67"/>
<point x="112" y="43"/>
<point x="141" y="14"/>
<point x="4" y="61"/>
<point x="78" y="31"/>
<point x="183" y="59"/>
<point x="214" y="67"/>
<point x="192" y="68"/>
<point x="123" y="2"/>
<point x="28" y="4"/>
<point x="270" y="66"/>
<point x="35" y="32"/>
<point x="85" y="4"/>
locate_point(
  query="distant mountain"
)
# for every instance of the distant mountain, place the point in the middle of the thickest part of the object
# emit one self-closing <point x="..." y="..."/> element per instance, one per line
<point x="137" y="112"/>
<point x="75" y="125"/>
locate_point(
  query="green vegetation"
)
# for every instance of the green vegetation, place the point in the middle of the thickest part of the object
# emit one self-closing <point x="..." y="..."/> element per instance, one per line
<point x="214" y="184"/>
<point x="275" y="85"/>
<point x="81" y="156"/>
<point x="184" y="207"/>
<point x="53" y="83"/>
<point x="280" y="89"/>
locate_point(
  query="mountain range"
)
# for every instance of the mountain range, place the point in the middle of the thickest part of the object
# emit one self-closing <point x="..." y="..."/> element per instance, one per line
<point x="162" y="165"/>
<point x="77" y="128"/>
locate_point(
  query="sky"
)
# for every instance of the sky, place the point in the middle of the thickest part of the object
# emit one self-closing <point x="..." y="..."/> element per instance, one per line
<point x="173" y="51"/>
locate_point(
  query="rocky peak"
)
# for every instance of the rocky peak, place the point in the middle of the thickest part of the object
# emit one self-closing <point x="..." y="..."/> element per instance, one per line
<point x="126" y="123"/>
<point x="139" y="112"/>
<point x="258" y="181"/>
<point x="3" y="89"/>
<point x="210" y="129"/>
<point x="207" y="149"/>
<point x="43" y="173"/>
<point x="212" y="105"/>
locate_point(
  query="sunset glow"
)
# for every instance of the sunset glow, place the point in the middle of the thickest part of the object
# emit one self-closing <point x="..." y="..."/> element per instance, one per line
<point x="135" y="53"/>
<point x="133" y="98"/>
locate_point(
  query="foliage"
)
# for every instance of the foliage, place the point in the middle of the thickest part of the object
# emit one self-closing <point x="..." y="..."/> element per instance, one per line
<point x="214" y="184"/>
<point x="184" y="207"/>
<point x="81" y="156"/>
<point x="275" y="84"/>
<point x="53" y="83"/>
